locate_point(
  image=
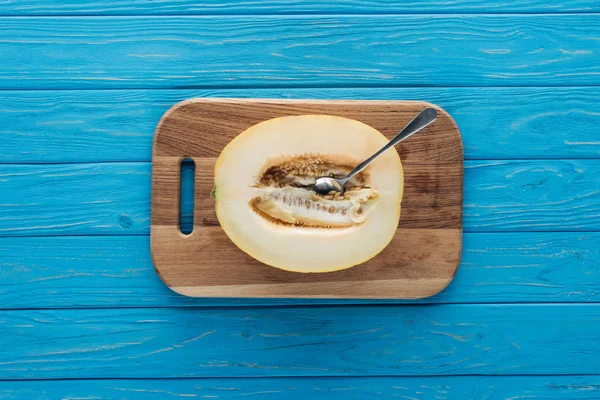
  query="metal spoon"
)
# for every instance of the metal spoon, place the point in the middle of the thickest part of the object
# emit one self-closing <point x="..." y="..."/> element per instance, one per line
<point x="326" y="184"/>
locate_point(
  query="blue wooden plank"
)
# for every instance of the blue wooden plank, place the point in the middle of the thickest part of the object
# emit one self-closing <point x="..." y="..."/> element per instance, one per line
<point x="231" y="7"/>
<point x="534" y="195"/>
<point x="114" y="198"/>
<point x="63" y="272"/>
<point x="359" y="388"/>
<point x="116" y="125"/>
<point x="304" y="341"/>
<point x="333" y="51"/>
<point x="75" y="198"/>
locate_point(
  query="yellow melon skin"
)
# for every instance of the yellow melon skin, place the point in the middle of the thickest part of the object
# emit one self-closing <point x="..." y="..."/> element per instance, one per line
<point x="300" y="248"/>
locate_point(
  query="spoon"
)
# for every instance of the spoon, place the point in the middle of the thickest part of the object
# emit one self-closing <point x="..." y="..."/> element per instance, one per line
<point x="326" y="184"/>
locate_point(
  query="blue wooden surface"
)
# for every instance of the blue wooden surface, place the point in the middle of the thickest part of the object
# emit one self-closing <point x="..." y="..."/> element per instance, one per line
<point x="82" y="312"/>
<point x="357" y="388"/>
<point x="376" y="340"/>
<point x="114" y="198"/>
<point x="266" y="7"/>
<point x="117" y="125"/>
<point x="302" y="51"/>
<point x="116" y="271"/>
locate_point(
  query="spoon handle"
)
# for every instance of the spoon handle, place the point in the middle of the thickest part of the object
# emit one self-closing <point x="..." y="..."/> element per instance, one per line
<point x="423" y="119"/>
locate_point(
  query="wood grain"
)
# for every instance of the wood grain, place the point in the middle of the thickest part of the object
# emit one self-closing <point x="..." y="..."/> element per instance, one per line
<point x="75" y="198"/>
<point x="118" y="125"/>
<point x="303" y="341"/>
<point x="231" y="7"/>
<point x="556" y="193"/>
<point x="456" y="61"/>
<point x="108" y="271"/>
<point x="315" y="388"/>
<point x="331" y="51"/>
<point x="420" y="261"/>
<point x="114" y="198"/>
<point x="430" y="193"/>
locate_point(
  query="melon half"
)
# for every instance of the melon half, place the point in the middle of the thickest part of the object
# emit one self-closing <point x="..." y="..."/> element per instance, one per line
<point x="266" y="205"/>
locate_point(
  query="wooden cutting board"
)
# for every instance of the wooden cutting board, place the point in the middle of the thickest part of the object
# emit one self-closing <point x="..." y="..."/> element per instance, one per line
<point x="420" y="261"/>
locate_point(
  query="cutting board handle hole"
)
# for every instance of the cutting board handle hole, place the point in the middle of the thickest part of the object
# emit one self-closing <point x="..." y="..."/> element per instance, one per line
<point x="186" y="196"/>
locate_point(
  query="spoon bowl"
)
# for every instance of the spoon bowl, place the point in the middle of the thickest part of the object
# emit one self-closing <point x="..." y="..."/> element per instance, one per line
<point x="326" y="184"/>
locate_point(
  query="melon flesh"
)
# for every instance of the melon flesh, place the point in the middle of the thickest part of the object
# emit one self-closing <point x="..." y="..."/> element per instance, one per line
<point x="265" y="203"/>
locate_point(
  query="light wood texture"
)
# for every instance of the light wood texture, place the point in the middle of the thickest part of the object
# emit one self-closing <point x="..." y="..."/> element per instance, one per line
<point x="420" y="261"/>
